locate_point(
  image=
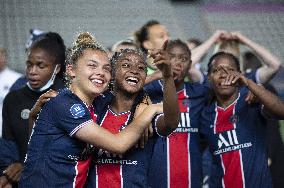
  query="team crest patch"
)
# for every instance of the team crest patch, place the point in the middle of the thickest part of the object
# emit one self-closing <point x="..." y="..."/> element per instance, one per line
<point x="77" y="110"/>
<point x="25" y="113"/>
<point x="234" y="119"/>
<point x="186" y="102"/>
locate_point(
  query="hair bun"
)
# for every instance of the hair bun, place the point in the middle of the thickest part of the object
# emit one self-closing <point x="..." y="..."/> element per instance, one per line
<point x="85" y="38"/>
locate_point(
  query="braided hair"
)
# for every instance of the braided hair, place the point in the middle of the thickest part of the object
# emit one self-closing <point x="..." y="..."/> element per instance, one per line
<point x="142" y="96"/>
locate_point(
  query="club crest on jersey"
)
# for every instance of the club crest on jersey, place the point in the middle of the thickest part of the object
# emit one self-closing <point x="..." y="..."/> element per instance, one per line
<point x="25" y="113"/>
<point x="234" y="119"/>
<point x="186" y="102"/>
<point x="77" y="110"/>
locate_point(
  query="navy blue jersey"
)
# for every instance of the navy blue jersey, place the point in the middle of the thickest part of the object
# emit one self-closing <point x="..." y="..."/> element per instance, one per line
<point x="236" y="137"/>
<point x="176" y="161"/>
<point x="55" y="158"/>
<point x="116" y="171"/>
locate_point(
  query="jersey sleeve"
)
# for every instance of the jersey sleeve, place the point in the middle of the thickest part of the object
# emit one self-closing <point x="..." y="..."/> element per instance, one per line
<point x="154" y="124"/>
<point x="71" y="116"/>
<point x="155" y="91"/>
<point x="7" y="132"/>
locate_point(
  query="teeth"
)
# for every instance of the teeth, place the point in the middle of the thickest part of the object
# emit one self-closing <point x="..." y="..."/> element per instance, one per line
<point x="98" y="81"/>
<point x="131" y="79"/>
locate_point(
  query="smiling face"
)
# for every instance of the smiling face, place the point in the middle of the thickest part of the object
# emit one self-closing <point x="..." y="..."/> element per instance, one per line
<point x="217" y="75"/>
<point x="130" y="73"/>
<point x="91" y="74"/>
<point x="40" y="66"/>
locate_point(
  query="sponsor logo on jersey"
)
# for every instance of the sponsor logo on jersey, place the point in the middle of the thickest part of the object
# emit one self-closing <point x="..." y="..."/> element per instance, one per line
<point x="105" y="157"/>
<point x="228" y="141"/>
<point x="184" y="124"/>
<point x="77" y="111"/>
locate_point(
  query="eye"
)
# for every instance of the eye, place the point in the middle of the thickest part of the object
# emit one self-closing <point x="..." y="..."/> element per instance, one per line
<point x="107" y="68"/>
<point x="142" y="68"/>
<point x="92" y="65"/>
<point x="183" y="59"/>
<point x="125" y="65"/>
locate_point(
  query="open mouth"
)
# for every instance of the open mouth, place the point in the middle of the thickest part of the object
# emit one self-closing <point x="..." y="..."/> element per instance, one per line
<point x="97" y="81"/>
<point x="131" y="80"/>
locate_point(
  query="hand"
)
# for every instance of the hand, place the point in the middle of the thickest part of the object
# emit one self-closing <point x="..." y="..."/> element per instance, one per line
<point x="162" y="60"/>
<point x="148" y="132"/>
<point x="218" y="35"/>
<point x="4" y="182"/>
<point x="41" y="101"/>
<point x="236" y="35"/>
<point x="251" y="98"/>
<point x="13" y="172"/>
<point x="234" y="78"/>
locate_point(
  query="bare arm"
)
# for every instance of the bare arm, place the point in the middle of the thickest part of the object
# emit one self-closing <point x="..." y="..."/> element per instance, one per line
<point x="169" y="122"/>
<point x="37" y="107"/>
<point x="152" y="77"/>
<point x="198" y="53"/>
<point x="272" y="103"/>
<point x="271" y="62"/>
<point x="121" y="142"/>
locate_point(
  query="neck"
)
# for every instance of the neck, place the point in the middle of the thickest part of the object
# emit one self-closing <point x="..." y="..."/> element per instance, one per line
<point x="88" y="99"/>
<point x="122" y="102"/>
<point x="225" y="101"/>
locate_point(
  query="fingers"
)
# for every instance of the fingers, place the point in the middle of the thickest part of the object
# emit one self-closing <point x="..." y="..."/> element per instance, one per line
<point x="165" y="45"/>
<point x="3" y="181"/>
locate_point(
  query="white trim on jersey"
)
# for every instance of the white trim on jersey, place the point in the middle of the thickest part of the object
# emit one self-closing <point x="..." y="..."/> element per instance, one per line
<point x="80" y="126"/>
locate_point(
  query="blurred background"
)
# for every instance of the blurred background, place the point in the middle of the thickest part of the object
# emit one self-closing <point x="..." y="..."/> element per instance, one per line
<point x="114" y="20"/>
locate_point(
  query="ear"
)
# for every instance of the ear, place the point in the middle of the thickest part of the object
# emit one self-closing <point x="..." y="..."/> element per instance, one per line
<point x="70" y="71"/>
<point x="147" y="44"/>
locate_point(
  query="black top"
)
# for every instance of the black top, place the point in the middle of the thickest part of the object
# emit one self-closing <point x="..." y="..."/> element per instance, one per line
<point x="16" y="107"/>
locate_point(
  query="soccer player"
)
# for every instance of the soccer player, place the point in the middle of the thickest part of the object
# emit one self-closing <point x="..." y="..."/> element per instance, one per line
<point x="235" y="129"/>
<point x="131" y="169"/>
<point x="66" y="123"/>
<point x="177" y="160"/>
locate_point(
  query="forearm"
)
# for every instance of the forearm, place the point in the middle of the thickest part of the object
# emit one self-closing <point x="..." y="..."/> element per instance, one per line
<point x="271" y="102"/>
<point x="170" y="107"/>
<point x="268" y="58"/>
<point x="152" y="77"/>
<point x="120" y="142"/>
<point x="200" y="51"/>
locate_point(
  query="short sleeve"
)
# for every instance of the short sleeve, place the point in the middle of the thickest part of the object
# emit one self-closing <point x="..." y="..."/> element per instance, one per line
<point x="154" y="123"/>
<point x="71" y="115"/>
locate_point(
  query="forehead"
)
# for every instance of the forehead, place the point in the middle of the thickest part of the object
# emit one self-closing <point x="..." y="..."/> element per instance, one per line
<point x="40" y="54"/>
<point x="224" y="61"/>
<point x="132" y="56"/>
<point x="157" y="29"/>
<point x="177" y="50"/>
<point x="96" y="55"/>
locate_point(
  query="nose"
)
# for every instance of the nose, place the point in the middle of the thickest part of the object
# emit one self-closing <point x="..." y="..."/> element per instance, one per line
<point x="32" y="70"/>
<point x="100" y="71"/>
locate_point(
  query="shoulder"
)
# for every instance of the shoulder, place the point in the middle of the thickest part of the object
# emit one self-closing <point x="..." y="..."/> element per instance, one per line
<point x="196" y="89"/>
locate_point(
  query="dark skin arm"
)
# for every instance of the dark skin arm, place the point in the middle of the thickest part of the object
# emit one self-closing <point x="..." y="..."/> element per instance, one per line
<point x="169" y="122"/>
<point x="273" y="105"/>
<point x="37" y="107"/>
